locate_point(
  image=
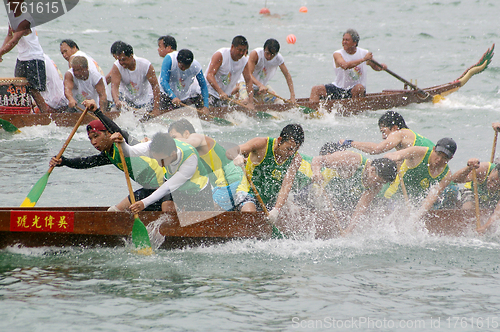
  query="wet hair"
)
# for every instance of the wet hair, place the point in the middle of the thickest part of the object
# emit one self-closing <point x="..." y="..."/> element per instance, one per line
<point x="185" y="56"/>
<point x="239" y="41"/>
<point x="181" y="126"/>
<point x="386" y="169"/>
<point x="391" y="118"/>
<point x="70" y="42"/>
<point x="162" y="143"/>
<point x="169" y="41"/>
<point x="330" y="147"/>
<point x="124" y="48"/>
<point x="293" y="131"/>
<point x="272" y="45"/>
<point x="79" y="61"/>
<point x="354" y="35"/>
<point x="116" y="46"/>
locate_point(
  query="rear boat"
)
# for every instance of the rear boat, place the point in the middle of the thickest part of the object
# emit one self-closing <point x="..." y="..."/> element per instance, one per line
<point x="94" y="226"/>
<point x="386" y="99"/>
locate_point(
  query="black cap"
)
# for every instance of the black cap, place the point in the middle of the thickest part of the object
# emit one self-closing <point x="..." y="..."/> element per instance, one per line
<point x="447" y="146"/>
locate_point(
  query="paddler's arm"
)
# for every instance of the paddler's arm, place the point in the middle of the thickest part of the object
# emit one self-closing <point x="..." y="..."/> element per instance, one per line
<point x="248" y="80"/>
<point x="100" y="88"/>
<point x="433" y="195"/>
<point x="153" y="81"/>
<point x="286" y="186"/>
<point x="215" y="64"/>
<point x="184" y="174"/>
<point x="137" y="150"/>
<point x="376" y="148"/>
<point x="110" y="125"/>
<point x="289" y="81"/>
<point x="464" y="175"/>
<point x="362" y="206"/>
<point x="81" y="162"/>
<point x="204" y="90"/>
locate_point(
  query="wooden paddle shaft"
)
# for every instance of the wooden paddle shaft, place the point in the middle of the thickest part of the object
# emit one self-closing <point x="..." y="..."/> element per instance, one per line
<point x="476" y="197"/>
<point x="413" y="86"/>
<point x="65" y="145"/>
<point x="493" y="150"/>
<point x="127" y="176"/>
<point x="255" y="191"/>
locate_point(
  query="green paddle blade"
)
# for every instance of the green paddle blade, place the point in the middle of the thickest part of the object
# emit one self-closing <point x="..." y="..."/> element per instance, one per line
<point x="277" y="234"/>
<point x="140" y="238"/>
<point x="306" y="110"/>
<point x="8" y="127"/>
<point x="264" y="115"/>
<point x="222" y="121"/>
<point x="36" y="191"/>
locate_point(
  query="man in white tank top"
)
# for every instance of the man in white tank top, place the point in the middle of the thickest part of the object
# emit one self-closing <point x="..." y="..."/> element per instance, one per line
<point x="81" y="84"/>
<point x="54" y="94"/>
<point x="30" y="61"/>
<point x="350" y="69"/>
<point x="224" y="71"/>
<point x="137" y="79"/>
<point x="262" y="64"/>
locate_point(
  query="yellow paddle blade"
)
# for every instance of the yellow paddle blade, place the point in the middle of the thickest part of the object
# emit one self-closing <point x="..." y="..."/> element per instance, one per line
<point x="28" y="203"/>
<point x="437" y="98"/>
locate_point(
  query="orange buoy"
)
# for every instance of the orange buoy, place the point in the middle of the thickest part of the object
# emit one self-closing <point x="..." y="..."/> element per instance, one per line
<point x="303" y="9"/>
<point x="265" y="11"/>
<point x="291" y="39"/>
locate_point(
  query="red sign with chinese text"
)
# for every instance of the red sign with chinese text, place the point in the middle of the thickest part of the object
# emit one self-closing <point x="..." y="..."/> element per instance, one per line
<point x="42" y="221"/>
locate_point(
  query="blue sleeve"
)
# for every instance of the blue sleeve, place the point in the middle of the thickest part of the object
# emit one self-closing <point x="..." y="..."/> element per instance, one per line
<point x="203" y="86"/>
<point x="165" y="76"/>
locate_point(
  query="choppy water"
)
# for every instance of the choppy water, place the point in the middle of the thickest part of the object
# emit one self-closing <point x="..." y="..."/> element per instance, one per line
<point x="400" y="277"/>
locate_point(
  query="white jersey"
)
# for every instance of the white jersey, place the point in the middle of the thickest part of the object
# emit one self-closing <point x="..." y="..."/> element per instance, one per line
<point x="92" y="63"/>
<point x="228" y="74"/>
<point x="83" y="90"/>
<point x="265" y="70"/>
<point x="135" y="85"/>
<point x="28" y="47"/>
<point x="181" y="81"/>
<point x="346" y="79"/>
<point x="54" y="93"/>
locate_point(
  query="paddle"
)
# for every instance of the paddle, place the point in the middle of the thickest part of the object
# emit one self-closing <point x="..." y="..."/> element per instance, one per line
<point x="276" y="234"/>
<point x="39" y="187"/>
<point x="304" y="109"/>
<point x="435" y="98"/>
<point x="493" y="150"/>
<point x="216" y="120"/>
<point x="140" y="236"/>
<point x="8" y="127"/>
<point x="260" y="114"/>
<point x="476" y="197"/>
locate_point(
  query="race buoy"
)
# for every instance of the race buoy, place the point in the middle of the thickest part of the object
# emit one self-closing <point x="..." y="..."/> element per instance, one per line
<point x="303" y="9"/>
<point x="265" y="11"/>
<point x="291" y="39"/>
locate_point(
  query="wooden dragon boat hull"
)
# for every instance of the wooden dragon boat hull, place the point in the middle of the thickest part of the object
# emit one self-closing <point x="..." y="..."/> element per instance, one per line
<point x="94" y="226"/>
<point x="386" y="99"/>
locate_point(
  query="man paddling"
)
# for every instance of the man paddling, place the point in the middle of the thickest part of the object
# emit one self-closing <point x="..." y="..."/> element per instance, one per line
<point x="144" y="171"/>
<point x="186" y="185"/>
<point x="134" y="82"/>
<point x="351" y="181"/>
<point x="225" y="68"/>
<point x="227" y="175"/>
<point x="350" y="70"/>
<point x="424" y="168"/>
<point x="82" y="83"/>
<point x="182" y="80"/>
<point x="262" y="64"/>
<point x="30" y="61"/>
<point x="271" y="164"/>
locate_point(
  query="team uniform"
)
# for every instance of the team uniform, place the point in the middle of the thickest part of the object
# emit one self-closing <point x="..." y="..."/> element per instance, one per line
<point x="487" y="199"/>
<point x="134" y="86"/>
<point x="184" y="85"/>
<point x="186" y="179"/>
<point x="227" y="177"/>
<point x="85" y="89"/>
<point x="346" y="79"/>
<point x="227" y="76"/>
<point x="54" y="94"/>
<point x="264" y="71"/>
<point x="267" y="177"/>
<point x="30" y="60"/>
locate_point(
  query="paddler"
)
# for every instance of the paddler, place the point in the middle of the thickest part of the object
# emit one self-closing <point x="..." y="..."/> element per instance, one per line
<point x="271" y="164"/>
<point x="351" y="181"/>
<point x="186" y="185"/>
<point x="349" y="64"/>
<point x="143" y="170"/>
<point x="227" y="175"/>
<point x="262" y="64"/>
